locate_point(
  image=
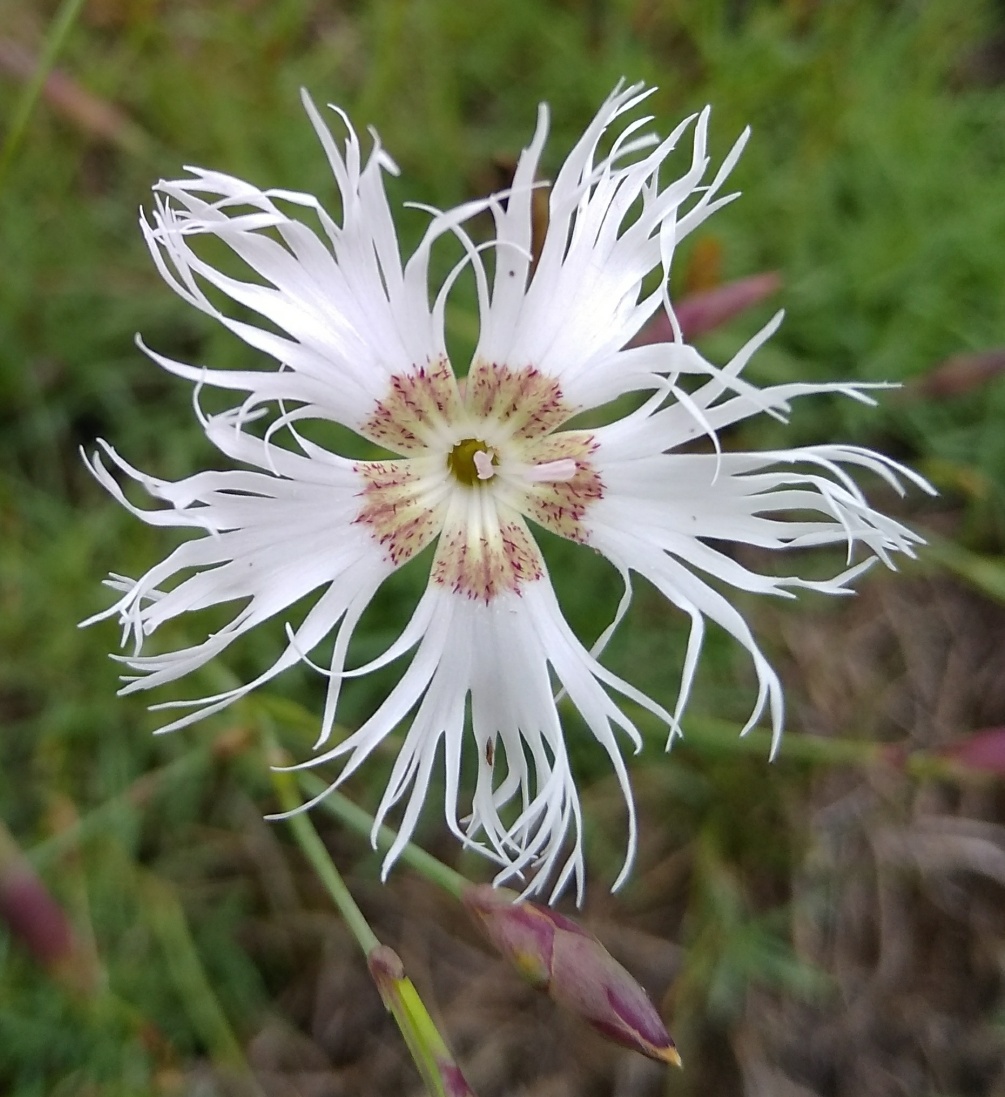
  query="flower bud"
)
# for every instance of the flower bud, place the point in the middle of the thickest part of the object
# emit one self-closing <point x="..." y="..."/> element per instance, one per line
<point x="980" y="752"/>
<point x="558" y="956"/>
<point x="33" y="917"/>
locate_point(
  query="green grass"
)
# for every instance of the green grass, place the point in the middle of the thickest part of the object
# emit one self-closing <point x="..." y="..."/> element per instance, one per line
<point x="873" y="183"/>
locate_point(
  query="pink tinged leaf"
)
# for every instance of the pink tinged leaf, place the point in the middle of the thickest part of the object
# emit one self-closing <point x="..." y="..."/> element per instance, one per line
<point x="704" y="311"/>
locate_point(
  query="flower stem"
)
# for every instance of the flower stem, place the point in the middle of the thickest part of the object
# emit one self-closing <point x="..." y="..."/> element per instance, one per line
<point x="440" y="1073"/>
<point x="315" y="852"/>
<point x="354" y="817"/>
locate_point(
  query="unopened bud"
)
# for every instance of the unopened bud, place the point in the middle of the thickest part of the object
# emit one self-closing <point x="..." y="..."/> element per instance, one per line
<point x="560" y="957"/>
<point x="980" y="752"/>
<point x="34" y="918"/>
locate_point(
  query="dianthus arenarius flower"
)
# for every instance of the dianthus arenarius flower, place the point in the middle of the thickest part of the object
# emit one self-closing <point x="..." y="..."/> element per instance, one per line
<point x="472" y="462"/>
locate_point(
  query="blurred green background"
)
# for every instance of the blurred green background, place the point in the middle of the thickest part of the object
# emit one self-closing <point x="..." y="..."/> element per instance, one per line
<point x="830" y="924"/>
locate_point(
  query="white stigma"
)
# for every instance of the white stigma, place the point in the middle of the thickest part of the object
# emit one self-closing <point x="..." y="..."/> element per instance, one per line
<point x="483" y="465"/>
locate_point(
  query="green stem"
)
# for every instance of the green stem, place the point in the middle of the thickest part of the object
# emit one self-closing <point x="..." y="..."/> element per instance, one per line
<point x="436" y="1066"/>
<point x="713" y="736"/>
<point x="314" y="850"/>
<point x="59" y="31"/>
<point x="354" y="817"/>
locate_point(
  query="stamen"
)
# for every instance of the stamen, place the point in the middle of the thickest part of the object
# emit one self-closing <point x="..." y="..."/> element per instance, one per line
<point x="552" y="471"/>
<point x="483" y="465"/>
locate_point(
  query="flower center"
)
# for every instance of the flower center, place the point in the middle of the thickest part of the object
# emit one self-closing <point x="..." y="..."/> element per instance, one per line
<point x="472" y="461"/>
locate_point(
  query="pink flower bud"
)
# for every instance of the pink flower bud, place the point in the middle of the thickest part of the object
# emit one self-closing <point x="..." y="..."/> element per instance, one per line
<point x="982" y="751"/>
<point x="34" y="918"/>
<point x="558" y="956"/>
<point x="706" y="310"/>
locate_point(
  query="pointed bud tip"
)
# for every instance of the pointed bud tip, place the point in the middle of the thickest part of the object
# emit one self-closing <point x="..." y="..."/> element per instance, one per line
<point x="669" y="1055"/>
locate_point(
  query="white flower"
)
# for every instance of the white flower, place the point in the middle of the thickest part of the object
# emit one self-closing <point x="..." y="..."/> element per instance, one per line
<point x="357" y="342"/>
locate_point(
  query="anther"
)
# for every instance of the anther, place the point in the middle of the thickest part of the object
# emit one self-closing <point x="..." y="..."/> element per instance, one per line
<point x="553" y="471"/>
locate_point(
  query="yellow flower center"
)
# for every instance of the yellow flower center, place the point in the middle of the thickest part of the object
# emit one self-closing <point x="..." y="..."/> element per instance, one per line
<point x="472" y="461"/>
